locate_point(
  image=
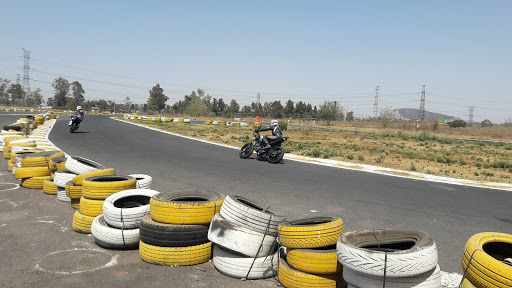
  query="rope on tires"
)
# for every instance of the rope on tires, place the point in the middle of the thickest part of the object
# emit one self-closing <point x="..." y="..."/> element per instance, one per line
<point x="48" y="164"/>
<point x="385" y="259"/>
<point x="261" y="244"/>
<point x="467" y="268"/>
<point x="122" y="227"/>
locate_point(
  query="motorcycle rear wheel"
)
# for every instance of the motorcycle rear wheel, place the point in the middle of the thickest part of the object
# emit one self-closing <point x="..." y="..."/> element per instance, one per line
<point x="246" y="151"/>
<point x="276" y="154"/>
<point x="72" y="128"/>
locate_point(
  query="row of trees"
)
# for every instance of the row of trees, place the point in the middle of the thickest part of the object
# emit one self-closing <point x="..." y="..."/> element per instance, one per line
<point x="13" y="94"/>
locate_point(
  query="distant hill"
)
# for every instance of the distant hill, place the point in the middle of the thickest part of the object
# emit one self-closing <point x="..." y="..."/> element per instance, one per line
<point x="412" y="114"/>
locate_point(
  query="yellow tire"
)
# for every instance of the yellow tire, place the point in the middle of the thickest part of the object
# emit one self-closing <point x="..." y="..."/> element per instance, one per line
<point x="29" y="172"/>
<point x="41" y="159"/>
<point x="49" y="187"/>
<point x="7" y="140"/>
<point x="34" y="182"/>
<point x="14" y="154"/>
<point x="80" y="178"/>
<point x="11" y="164"/>
<point x="467" y="284"/>
<point x="82" y="223"/>
<point x="310" y="233"/>
<point x="9" y="147"/>
<point x="57" y="163"/>
<point x="100" y="187"/>
<point x="7" y="155"/>
<point x="314" y="261"/>
<point x="91" y="207"/>
<point x="75" y="204"/>
<point x="486" y="268"/>
<point x="293" y="278"/>
<point x="185" y="207"/>
<point x="73" y="191"/>
<point x="175" y="256"/>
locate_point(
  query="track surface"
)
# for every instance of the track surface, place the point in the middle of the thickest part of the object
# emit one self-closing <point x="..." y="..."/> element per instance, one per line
<point x="451" y="213"/>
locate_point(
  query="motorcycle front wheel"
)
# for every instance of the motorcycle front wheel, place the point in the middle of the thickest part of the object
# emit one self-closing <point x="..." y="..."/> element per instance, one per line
<point x="276" y="154"/>
<point x="72" y="128"/>
<point x="246" y="151"/>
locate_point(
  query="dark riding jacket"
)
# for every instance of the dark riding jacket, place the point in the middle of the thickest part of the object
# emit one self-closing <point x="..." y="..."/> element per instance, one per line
<point x="276" y="132"/>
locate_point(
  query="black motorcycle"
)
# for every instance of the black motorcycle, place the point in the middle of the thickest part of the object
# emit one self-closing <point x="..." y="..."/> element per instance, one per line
<point x="273" y="154"/>
<point x="74" y="123"/>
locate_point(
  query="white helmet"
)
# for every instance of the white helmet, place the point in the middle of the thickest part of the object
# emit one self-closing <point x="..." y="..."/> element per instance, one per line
<point x="273" y="123"/>
<point x="78" y="107"/>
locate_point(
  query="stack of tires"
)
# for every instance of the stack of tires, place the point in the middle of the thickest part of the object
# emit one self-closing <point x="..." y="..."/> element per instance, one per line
<point x="118" y="226"/>
<point x="487" y="260"/>
<point x="394" y="258"/>
<point x="74" y="187"/>
<point x="176" y="231"/>
<point x="94" y="192"/>
<point x="6" y="142"/>
<point x="311" y="253"/>
<point x="33" y="169"/>
<point x="143" y="181"/>
<point x="12" y="161"/>
<point x="244" y="234"/>
<point x="61" y="178"/>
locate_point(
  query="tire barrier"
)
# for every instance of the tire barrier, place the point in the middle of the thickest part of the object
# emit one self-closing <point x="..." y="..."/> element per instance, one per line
<point x="185" y="207"/>
<point x="172" y="235"/>
<point x="113" y="238"/>
<point x="313" y="232"/>
<point x="430" y="279"/>
<point x="485" y="261"/>
<point x="73" y="191"/>
<point x="246" y="213"/>
<point x="34" y="182"/>
<point x="244" y="267"/>
<point x="80" y="165"/>
<point x="80" y="178"/>
<point x="61" y="195"/>
<point x="29" y="172"/>
<point x="125" y="209"/>
<point x="100" y="187"/>
<point x="175" y="256"/>
<point x="143" y="181"/>
<point x="62" y="177"/>
<point x="49" y="187"/>
<point x="75" y="203"/>
<point x="41" y="159"/>
<point x="293" y="278"/>
<point x="314" y="261"/>
<point x="91" y="207"/>
<point x="82" y="223"/>
<point x="58" y="163"/>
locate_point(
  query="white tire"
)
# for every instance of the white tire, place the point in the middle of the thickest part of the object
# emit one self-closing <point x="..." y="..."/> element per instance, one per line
<point x="237" y="266"/>
<point x="240" y="239"/>
<point x="430" y="279"/>
<point x="61" y="195"/>
<point x="125" y="209"/>
<point x="80" y="165"/>
<point x="113" y="238"/>
<point x="15" y="149"/>
<point x="410" y="252"/>
<point x="143" y="181"/>
<point x="22" y="141"/>
<point x="62" y="177"/>
<point x="243" y="212"/>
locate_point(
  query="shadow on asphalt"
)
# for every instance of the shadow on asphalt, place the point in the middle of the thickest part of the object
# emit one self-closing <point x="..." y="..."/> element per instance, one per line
<point x="80" y="132"/>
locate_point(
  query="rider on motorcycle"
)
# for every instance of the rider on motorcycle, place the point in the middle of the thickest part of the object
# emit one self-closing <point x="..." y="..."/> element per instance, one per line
<point x="78" y="114"/>
<point x="277" y="134"/>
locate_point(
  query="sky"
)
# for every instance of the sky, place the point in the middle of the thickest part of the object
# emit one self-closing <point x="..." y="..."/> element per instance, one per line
<point x="311" y="51"/>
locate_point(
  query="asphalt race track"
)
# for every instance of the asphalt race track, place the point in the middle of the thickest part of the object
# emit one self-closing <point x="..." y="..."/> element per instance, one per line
<point x="450" y="213"/>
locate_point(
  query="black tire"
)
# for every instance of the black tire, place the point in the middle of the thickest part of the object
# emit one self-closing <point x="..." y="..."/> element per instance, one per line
<point x="12" y="127"/>
<point x="246" y="150"/>
<point x="171" y="235"/>
<point x="276" y="154"/>
<point x="72" y="128"/>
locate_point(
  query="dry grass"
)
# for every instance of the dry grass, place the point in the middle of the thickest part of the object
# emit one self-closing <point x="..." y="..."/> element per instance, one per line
<point x="420" y="151"/>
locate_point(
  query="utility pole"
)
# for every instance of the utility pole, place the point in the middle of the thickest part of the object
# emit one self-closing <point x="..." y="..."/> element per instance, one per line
<point x="258" y="99"/>
<point x="471" y="110"/>
<point x="26" y="68"/>
<point x="422" y="105"/>
<point x="376" y="104"/>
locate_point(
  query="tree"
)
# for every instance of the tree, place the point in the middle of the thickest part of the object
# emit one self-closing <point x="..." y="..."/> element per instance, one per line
<point x="4" y="94"/>
<point x="330" y="111"/>
<point x="458" y="123"/>
<point x="35" y="98"/>
<point x="17" y="94"/>
<point x="61" y="88"/>
<point x="486" y="123"/>
<point x="127" y="104"/>
<point x="350" y="116"/>
<point x="157" y="98"/>
<point x="288" y="109"/>
<point x="276" y="109"/>
<point x="197" y="108"/>
<point x="78" y="92"/>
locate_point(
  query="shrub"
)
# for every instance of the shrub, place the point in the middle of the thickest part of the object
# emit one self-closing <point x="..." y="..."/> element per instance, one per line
<point x="360" y="157"/>
<point x="283" y="125"/>
<point x="507" y="147"/>
<point x="316" y="152"/>
<point x="350" y="157"/>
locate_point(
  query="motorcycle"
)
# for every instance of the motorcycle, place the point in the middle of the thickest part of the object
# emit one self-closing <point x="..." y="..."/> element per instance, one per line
<point x="273" y="154"/>
<point x="74" y="123"/>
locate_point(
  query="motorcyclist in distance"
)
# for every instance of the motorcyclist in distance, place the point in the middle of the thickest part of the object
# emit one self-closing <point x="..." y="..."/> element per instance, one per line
<point x="79" y="114"/>
<point x="276" y="133"/>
